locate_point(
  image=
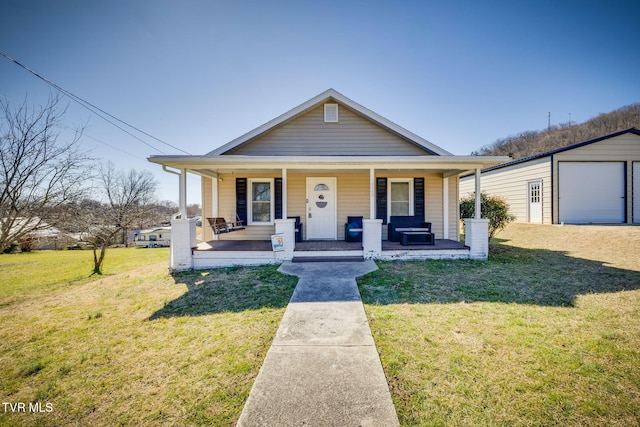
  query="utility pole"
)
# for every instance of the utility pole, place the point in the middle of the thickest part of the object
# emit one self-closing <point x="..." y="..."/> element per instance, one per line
<point x="549" y="121"/>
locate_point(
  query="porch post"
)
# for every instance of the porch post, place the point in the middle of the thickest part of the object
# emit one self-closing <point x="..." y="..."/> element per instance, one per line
<point x="182" y="200"/>
<point x="372" y="193"/>
<point x="286" y="227"/>
<point x="372" y="238"/>
<point x="284" y="193"/>
<point x="183" y="240"/>
<point x="445" y="208"/>
<point x="478" y="191"/>
<point x="476" y="236"/>
<point x="214" y="201"/>
<point x="476" y="230"/>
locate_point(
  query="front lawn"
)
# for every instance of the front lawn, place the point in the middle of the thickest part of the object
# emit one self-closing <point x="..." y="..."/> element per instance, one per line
<point x="135" y="346"/>
<point x="546" y="332"/>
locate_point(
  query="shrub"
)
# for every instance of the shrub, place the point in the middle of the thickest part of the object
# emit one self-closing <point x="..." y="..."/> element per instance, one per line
<point x="28" y="243"/>
<point x="494" y="208"/>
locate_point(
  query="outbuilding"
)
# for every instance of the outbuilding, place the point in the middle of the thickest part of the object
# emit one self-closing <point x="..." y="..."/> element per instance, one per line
<point x="591" y="182"/>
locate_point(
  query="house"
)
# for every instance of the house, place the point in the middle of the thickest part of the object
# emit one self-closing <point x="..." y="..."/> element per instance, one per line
<point x="308" y="170"/>
<point x="42" y="237"/>
<point x="591" y="182"/>
<point x="153" y="237"/>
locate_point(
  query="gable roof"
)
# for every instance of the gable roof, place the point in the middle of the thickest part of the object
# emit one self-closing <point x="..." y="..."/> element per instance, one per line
<point x="320" y="99"/>
<point x="560" y="150"/>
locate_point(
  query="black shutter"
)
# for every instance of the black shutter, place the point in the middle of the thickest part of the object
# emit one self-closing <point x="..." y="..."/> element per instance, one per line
<point x="241" y="199"/>
<point x="381" y="199"/>
<point x="418" y="198"/>
<point x="277" y="193"/>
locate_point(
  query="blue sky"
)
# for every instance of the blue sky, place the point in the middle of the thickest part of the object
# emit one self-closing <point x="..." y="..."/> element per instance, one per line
<point x="198" y="74"/>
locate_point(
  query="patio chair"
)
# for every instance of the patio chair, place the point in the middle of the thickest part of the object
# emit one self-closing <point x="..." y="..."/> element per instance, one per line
<point x="298" y="228"/>
<point x="353" y="229"/>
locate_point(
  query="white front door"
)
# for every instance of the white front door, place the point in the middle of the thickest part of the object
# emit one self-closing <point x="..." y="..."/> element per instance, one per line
<point x="535" y="202"/>
<point x="321" y="209"/>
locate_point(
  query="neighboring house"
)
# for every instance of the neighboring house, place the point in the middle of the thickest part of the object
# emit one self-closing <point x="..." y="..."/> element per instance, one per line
<point x="153" y="237"/>
<point x="320" y="163"/>
<point x="592" y="182"/>
<point x="44" y="236"/>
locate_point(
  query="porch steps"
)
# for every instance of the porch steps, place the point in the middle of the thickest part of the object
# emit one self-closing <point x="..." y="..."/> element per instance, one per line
<point x="327" y="259"/>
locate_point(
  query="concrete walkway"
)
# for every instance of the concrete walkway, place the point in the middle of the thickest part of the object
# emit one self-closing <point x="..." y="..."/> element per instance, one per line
<point x="323" y="368"/>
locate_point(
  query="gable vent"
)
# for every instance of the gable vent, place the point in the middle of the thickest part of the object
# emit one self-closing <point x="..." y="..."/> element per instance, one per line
<point x="331" y="113"/>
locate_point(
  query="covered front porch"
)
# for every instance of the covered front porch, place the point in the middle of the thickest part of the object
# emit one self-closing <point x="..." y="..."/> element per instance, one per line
<point x="359" y="186"/>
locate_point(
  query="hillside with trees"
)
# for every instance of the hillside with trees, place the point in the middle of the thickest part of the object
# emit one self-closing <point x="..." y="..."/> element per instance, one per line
<point x="533" y="142"/>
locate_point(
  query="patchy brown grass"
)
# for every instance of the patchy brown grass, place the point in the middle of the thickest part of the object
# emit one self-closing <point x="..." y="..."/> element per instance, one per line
<point x="140" y="347"/>
<point x="543" y="333"/>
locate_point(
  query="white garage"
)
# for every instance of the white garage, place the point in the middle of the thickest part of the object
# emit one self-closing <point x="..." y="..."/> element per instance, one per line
<point x="591" y="182"/>
<point x="591" y="192"/>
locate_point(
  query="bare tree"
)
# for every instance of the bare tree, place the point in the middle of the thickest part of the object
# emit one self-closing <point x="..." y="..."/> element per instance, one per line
<point x="128" y="198"/>
<point x="38" y="173"/>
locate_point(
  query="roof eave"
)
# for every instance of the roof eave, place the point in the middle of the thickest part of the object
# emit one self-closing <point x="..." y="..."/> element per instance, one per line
<point x="342" y="162"/>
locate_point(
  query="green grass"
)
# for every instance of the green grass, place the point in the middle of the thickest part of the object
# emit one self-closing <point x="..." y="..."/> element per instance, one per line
<point x="135" y="346"/>
<point x="23" y="273"/>
<point x="546" y="332"/>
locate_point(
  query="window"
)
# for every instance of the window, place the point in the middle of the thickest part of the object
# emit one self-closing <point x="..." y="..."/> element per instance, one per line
<point x="534" y="192"/>
<point x="261" y="205"/>
<point x="331" y="113"/>
<point x="400" y="196"/>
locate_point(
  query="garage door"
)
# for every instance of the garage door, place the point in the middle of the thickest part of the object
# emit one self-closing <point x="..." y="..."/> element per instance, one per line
<point x="591" y="192"/>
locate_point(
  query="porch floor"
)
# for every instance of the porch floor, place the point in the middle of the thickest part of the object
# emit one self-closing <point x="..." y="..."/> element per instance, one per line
<point x="322" y="245"/>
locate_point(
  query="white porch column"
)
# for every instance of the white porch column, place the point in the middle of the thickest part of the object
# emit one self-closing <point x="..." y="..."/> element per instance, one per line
<point x="476" y="230"/>
<point x="445" y="208"/>
<point x="372" y="238"/>
<point x="182" y="199"/>
<point x="214" y="201"/>
<point x="183" y="239"/>
<point x="476" y="236"/>
<point x="284" y="193"/>
<point x="478" y="202"/>
<point x="372" y="193"/>
<point x="286" y="227"/>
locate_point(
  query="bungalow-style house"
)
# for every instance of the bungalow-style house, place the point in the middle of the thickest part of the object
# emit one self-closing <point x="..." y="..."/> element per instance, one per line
<point x="153" y="237"/>
<point x="591" y="182"/>
<point x="305" y="174"/>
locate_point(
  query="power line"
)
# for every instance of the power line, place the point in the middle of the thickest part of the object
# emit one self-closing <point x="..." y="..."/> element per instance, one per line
<point x="92" y="108"/>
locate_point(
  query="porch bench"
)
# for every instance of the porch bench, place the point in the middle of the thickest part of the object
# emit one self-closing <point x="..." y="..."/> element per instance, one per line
<point x="398" y="224"/>
<point x="416" y="238"/>
<point x="220" y="225"/>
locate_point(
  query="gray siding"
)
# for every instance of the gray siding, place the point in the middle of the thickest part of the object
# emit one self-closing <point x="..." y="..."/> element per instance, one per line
<point x="308" y="134"/>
